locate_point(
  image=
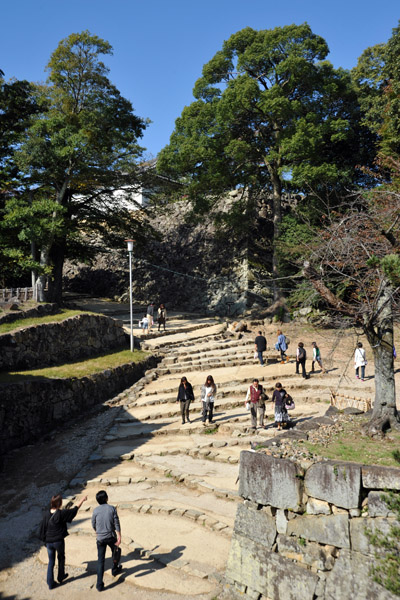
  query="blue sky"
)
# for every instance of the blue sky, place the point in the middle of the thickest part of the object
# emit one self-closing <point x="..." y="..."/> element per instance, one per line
<point x="160" y="47"/>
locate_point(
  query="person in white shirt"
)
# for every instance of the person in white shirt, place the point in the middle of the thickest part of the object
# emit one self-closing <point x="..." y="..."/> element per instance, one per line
<point x="207" y="394"/>
<point x="316" y="357"/>
<point x="144" y="324"/>
<point x="360" y="361"/>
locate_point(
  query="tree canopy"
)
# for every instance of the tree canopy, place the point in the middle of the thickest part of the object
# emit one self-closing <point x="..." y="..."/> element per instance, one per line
<point x="269" y="114"/>
<point x="79" y="149"/>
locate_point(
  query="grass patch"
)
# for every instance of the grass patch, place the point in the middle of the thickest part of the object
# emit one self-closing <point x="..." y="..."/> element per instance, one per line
<point x="210" y="431"/>
<point x="349" y="445"/>
<point x="81" y="368"/>
<point x="61" y="316"/>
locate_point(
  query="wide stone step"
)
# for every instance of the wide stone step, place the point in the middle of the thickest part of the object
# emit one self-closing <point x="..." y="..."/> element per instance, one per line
<point x="182" y="338"/>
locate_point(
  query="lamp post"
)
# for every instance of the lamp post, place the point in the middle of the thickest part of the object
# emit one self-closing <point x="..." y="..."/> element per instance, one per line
<point x="130" y="250"/>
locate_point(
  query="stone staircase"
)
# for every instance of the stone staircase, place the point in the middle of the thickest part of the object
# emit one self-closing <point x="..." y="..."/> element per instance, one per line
<point x="175" y="485"/>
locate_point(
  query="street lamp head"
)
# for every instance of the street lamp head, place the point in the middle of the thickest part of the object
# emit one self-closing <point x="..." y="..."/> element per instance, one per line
<point x="130" y="245"/>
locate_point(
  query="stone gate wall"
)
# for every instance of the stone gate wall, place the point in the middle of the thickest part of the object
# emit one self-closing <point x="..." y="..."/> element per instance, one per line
<point x="32" y="408"/>
<point x="301" y="532"/>
<point x="56" y="343"/>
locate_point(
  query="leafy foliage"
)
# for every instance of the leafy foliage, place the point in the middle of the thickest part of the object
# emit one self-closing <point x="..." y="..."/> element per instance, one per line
<point x="265" y="106"/>
<point x="79" y="149"/>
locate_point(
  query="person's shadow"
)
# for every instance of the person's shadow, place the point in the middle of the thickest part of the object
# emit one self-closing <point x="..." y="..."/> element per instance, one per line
<point x="151" y="563"/>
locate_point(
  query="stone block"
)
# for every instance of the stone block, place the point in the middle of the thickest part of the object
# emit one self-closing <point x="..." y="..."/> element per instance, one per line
<point x="310" y="553"/>
<point x="268" y="480"/>
<point x="318" y="507"/>
<point x="281" y="521"/>
<point x="380" y="478"/>
<point x="358" y="536"/>
<point x="255" y="524"/>
<point x="337" y="483"/>
<point x="377" y="506"/>
<point x="350" y="580"/>
<point x="330" y="529"/>
<point x="252" y="565"/>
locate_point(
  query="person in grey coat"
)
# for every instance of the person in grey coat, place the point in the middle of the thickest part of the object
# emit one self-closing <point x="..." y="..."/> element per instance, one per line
<point x="106" y="524"/>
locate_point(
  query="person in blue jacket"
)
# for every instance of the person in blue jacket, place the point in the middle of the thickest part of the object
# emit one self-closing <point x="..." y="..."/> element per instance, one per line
<point x="281" y="345"/>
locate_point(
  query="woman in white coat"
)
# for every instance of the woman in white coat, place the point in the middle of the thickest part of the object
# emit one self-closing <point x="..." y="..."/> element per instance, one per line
<point x="360" y="361"/>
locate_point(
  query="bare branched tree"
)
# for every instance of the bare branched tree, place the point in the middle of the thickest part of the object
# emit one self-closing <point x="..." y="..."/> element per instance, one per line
<point x="355" y="268"/>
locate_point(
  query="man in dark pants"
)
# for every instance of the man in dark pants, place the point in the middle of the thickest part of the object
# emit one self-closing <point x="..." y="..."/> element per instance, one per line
<point x="105" y="522"/>
<point x="301" y="356"/>
<point x="261" y="346"/>
<point x="185" y="397"/>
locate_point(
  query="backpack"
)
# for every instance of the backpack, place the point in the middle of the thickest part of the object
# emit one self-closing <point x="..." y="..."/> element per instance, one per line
<point x="302" y="354"/>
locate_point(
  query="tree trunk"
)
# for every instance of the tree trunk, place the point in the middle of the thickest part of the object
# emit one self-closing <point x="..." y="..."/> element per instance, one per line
<point x="277" y="216"/>
<point x="380" y="337"/>
<point x="57" y="254"/>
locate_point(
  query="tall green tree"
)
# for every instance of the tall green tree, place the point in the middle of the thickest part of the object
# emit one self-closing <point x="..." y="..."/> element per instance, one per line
<point x="81" y="147"/>
<point x="17" y="108"/>
<point x="269" y="114"/>
<point x="377" y="81"/>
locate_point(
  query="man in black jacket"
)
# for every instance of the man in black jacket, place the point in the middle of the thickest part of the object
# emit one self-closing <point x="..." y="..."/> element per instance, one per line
<point x="53" y="530"/>
<point x="260" y="346"/>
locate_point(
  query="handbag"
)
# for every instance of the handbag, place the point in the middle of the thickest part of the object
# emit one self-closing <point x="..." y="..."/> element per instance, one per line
<point x="255" y="355"/>
<point x="290" y="405"/>
<point x="247" y="405"/>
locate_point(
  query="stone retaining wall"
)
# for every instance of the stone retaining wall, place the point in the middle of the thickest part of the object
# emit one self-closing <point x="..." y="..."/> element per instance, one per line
<point x="32" y="408"/>
<point x="56" y="343"/>
<point x="301" y="532"/>
<point x="40" y="310"/>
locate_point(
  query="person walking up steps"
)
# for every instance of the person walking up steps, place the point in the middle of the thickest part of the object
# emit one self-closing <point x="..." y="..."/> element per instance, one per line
<point x="208" y="393"/>
<point x="282" y="346"/>
<point x="53" y="531"/>
<point x="360" y="361"/>
<point x="316" y="358"/>
<point x="185" y="397"/>
<point x="105" y="522"/>
<point x="260" y="346"/>
<point x="256" y="398"/>
<point x="301" y="357"/>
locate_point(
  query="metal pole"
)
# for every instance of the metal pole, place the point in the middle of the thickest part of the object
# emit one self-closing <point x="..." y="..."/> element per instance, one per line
<point x="130" y="297"/>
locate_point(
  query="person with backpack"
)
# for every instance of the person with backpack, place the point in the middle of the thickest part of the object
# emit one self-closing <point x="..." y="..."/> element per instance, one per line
<point x="301" y="357"/>
<point x="53" y="531"/>
<point x="105" y="522"/>
<point x="316" y="358"/>
<point x="282" y="346"/>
